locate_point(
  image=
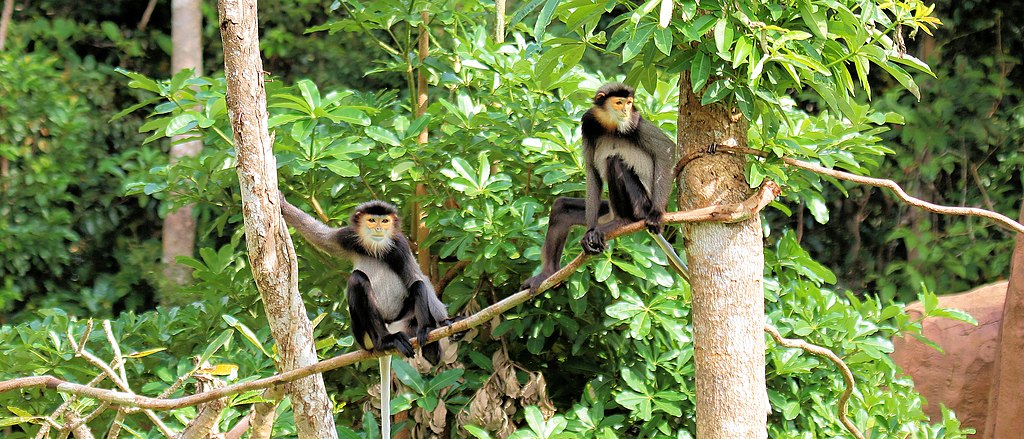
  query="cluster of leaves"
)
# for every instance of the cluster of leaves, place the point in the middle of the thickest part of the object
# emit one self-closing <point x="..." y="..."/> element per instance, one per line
<point x="60" y="198"/>
<point x="614" y="341"/>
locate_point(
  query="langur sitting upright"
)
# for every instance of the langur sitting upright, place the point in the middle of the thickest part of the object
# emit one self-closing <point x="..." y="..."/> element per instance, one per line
<point x="389" y="299"/>
<point x="635" y="158"/>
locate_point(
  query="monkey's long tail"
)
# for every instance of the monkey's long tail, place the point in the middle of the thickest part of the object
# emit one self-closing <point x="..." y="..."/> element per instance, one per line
<point x="385" y="397"/>
<point x="673" y="258"/>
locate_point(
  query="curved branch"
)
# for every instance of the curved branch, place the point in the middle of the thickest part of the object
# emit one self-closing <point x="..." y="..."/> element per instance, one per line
<point x="725" y="213"/>
<point x="831" y="356"/>
<point x="999" y="218"/>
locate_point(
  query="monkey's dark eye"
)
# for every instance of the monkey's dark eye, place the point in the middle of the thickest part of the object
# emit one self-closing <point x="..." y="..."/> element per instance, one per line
<point x="385" y="220"/>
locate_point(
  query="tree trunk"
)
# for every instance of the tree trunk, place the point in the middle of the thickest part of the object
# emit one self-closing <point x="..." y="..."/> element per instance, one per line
<point x="1004" y="402"/>
<point x="726" y="275"/>
<point x="5" y="21"/>
<point x="179" y="229"/>
<point x="271" y="253"/>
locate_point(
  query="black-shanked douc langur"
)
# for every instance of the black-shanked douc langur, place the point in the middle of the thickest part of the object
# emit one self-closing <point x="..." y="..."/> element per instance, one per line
<point x="636" y="159"/>
<point x="390" y="301"/>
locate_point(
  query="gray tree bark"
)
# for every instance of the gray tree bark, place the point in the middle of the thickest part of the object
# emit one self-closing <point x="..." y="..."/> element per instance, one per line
<point x="271" y="253"/>
<point x="179" y="229"/>
<point x="726" y="275"/>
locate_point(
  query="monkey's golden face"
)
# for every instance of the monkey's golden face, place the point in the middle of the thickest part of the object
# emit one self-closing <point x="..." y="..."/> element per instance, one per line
<point x="617" y="114"/>
<point x="620" y="108"/>
<point x="376" y="232"/>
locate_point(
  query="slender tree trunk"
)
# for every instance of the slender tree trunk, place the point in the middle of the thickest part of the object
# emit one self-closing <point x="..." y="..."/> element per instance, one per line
<point x="5" y="21"/>
<point x="726" y="272"/>
<point x="271" y="253"/>
<point x="422" y="250"/>
<point x="179" y="229"/>
<point x="1005" y="405"/>
<point x="499" y="21"/>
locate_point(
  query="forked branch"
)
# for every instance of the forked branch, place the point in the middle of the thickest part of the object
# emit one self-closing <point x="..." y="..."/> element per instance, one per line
<point x="831" y="356"/>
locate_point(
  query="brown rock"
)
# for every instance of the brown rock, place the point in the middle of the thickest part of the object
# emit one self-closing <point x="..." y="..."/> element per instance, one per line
<point x="960" y="376"/>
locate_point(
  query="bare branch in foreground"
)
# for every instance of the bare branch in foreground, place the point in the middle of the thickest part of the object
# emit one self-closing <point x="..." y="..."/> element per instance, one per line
<point x="999" y="218"/>
<point x="831" y="356"/>
<point x="725" y="213"/>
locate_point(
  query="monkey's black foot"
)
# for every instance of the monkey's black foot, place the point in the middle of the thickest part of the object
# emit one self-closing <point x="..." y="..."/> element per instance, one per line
<point x="432" y="353"/>
<point x="534" y="282"/>
<point x="712" y="148"/>
<point x="653" y="222"/>
<point x="397" y="341"/>
<point x="593" y="242"/>
<point x="451" y="321"/>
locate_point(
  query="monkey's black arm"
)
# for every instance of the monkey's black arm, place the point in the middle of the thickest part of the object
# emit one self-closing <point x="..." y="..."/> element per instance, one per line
<point x="594" y="186"/>
<point x="322" y="236"/>
<point x="663" y="150"/>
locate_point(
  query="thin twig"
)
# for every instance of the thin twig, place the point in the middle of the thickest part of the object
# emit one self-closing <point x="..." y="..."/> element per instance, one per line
<point x="116" y="348"/>
<point x="123" y="385"/>
<point x="450" y="275"/>
<point x="999" y="218"/>
<point x="725" y="213"/>
<point x="144" y="21"/>
<point x="831" y="356"/>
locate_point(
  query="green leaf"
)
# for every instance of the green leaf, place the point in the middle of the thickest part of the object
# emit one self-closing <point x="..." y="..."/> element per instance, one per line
<point x="637" y="41"/>
<point x="700" y="70"/>
<point x="180" y="124"/>
<point x="715" y="92"/>
<point x="526" y="9"/>
<point x="408" y="375"/>
<point x="140" y="81"/>
<point x="723" y="36"/>
<point x="309" y="93"/>
<point x="342" y="167"/>
<point x="477" y="432"/>
<point x="246" y="332"/>
<point x="663" y="40"/>
<point x="814" y="20"/>
<point x="382" y="135"/>
<point x="544" y="19"/>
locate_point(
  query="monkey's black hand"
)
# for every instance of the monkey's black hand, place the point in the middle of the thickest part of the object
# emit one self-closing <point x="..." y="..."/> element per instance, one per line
<point x="653" y="221"/>
<point x="398" y="341"/>
<point x="593" y="242"/>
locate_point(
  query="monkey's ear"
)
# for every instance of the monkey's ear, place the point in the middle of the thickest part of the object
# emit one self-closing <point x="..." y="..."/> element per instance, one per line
<point x="599" y="96"/>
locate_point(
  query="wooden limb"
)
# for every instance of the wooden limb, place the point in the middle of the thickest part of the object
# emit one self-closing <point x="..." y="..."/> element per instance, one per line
<point x="831" y="356"/>
<point x="203" y="424"/>
<point x="999" y="219"/>
<point x="77" y="427"/>
<point x="115" y="426"/>
<point x="725" y="213"/>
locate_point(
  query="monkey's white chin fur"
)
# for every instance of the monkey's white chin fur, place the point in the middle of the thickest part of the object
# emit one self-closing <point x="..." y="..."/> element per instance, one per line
<point x="376" y="247"/>
<point x="627" y="124"/>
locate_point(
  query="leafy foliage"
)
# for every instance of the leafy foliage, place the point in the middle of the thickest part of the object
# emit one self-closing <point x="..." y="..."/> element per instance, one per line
<point x="614" y="342"/>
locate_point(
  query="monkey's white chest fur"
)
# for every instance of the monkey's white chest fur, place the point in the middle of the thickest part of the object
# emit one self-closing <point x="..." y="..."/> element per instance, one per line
<point x="635" y="158"/>
<point x="388" y="289"/>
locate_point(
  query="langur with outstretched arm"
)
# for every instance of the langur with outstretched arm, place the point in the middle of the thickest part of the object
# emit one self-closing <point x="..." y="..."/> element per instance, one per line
<point x="390" y="301"/>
